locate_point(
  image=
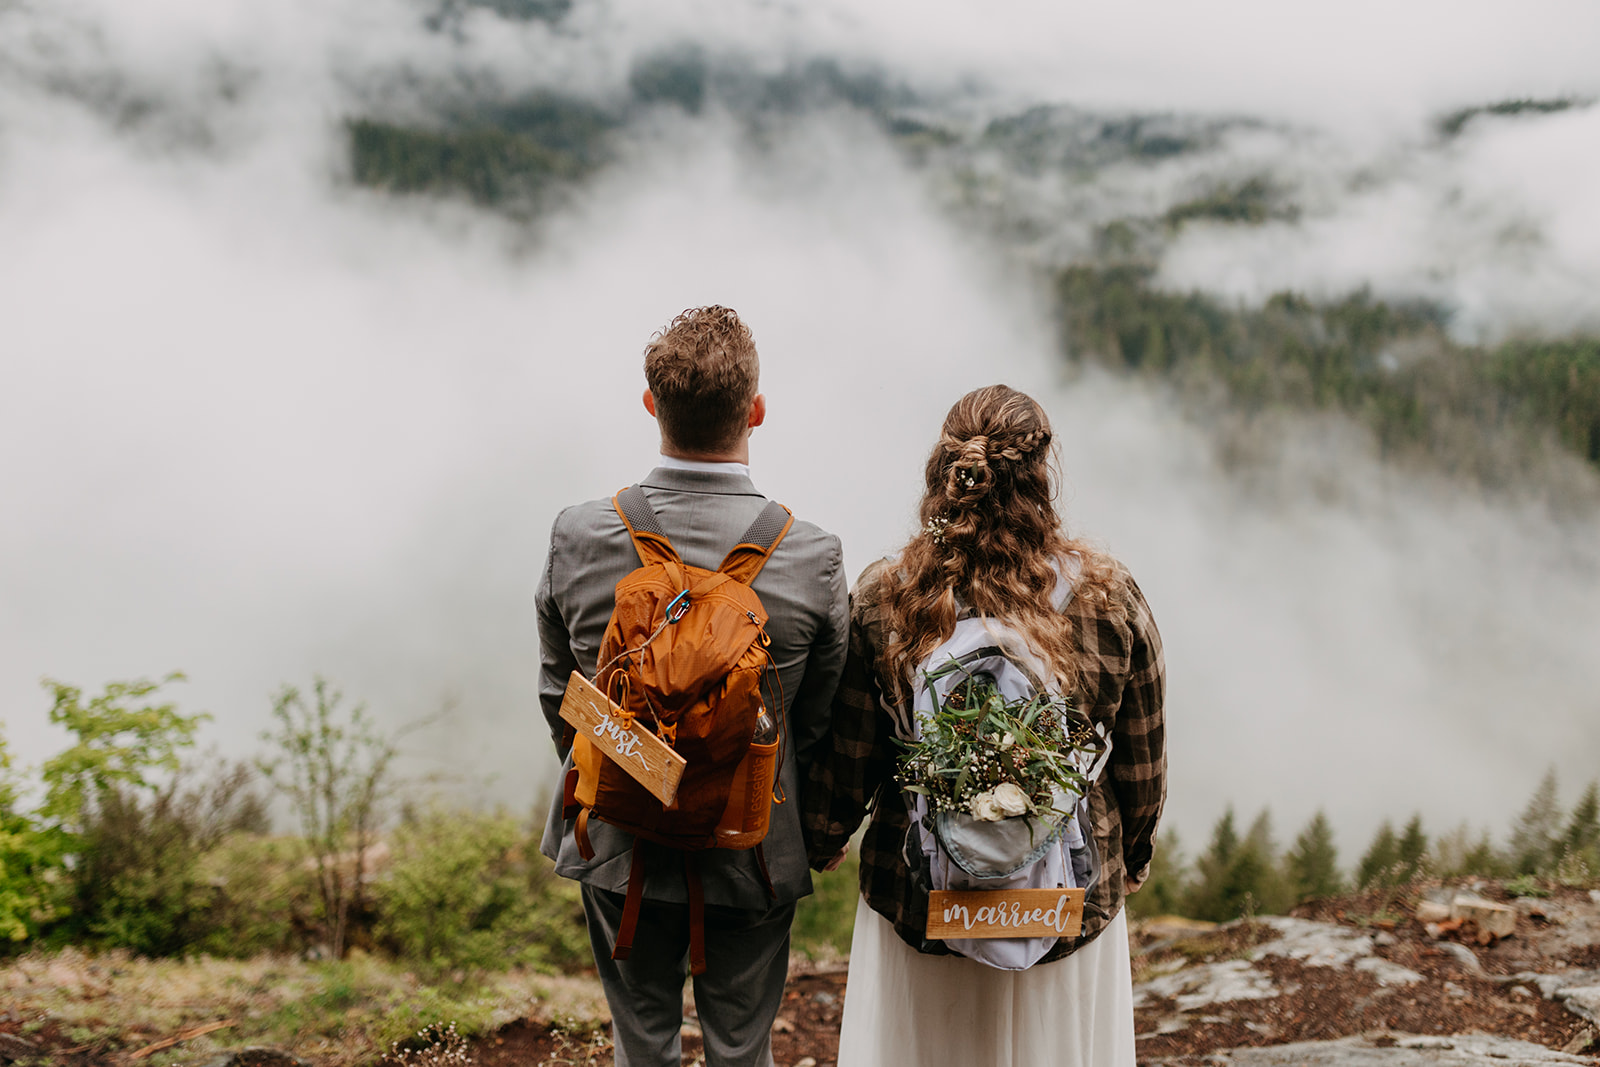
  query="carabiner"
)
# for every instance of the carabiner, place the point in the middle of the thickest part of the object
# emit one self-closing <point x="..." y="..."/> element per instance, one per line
<point x="678" y="606"/>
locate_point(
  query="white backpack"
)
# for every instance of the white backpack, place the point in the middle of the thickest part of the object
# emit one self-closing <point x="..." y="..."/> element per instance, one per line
<point x="960" y="852"/>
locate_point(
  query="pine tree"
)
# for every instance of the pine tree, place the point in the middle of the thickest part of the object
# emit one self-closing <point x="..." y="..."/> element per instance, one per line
<point x="1463" y="852"/>
<point x="1163" y="892"/>
<point x="1579" y="850"/>
<point x="1237" y="876"/>
<point x="1205" y="897"/>
<point x="1312" y="865"/>
<point x="1378" y="864"/>
<point x="1583" y="830"/>
<point x="1534" y="832"/>
<point x="1411" y="853"/>
<point x="1268" y="891"/>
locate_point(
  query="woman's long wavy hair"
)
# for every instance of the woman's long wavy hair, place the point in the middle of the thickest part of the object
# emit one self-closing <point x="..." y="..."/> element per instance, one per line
<point x="991" y="540"/>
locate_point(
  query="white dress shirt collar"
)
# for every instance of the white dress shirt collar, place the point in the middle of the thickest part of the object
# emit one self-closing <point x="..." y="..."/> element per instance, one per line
<point x="673" y="463"/>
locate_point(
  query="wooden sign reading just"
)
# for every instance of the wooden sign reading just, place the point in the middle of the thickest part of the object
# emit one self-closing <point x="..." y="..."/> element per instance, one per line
<point x="633" y="748"/>
<point x="1005" y="913"/>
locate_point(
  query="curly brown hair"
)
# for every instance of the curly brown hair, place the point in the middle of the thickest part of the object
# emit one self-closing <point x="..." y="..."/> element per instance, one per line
<point x="704" y="373"/>
<point x="991" y="540"/>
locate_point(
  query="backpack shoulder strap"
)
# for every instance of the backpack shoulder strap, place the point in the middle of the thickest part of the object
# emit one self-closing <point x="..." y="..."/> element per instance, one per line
<point x="745" y="560"/>
<point x="649" y="539"/>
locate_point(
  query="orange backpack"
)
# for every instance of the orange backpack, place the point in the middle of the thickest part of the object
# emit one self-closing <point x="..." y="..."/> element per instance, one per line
<point x="685" y="656"/>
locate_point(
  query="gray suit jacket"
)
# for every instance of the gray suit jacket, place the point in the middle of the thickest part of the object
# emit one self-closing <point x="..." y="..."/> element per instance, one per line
<point x="804" y="591"/>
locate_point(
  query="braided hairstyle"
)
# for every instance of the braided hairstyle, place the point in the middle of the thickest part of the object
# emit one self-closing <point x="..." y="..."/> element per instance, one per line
<point x="991" y="539"/>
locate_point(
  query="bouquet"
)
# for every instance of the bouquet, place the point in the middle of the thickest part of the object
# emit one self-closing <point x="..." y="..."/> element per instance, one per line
<point x="994" y="758"/>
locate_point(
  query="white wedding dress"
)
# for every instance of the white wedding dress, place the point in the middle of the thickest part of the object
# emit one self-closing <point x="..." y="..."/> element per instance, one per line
<point x="903" y="1007"/>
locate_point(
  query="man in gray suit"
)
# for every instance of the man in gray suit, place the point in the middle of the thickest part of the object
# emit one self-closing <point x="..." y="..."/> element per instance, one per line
<point x="702" y="372"/>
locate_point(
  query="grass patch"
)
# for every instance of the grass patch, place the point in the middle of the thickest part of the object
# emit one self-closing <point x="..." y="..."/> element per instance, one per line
<point x="824" y="921"/>
<point x="336" y="1013"/>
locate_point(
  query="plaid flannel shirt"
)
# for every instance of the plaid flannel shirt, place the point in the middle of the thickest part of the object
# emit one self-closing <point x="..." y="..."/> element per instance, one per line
<point x="1122" y="684"/>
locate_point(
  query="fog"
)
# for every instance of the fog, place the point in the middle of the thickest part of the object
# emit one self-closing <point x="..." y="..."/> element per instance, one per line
<point x="258" y="423"/>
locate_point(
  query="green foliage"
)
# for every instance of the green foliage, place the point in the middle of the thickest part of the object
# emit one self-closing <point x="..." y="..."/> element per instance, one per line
<point x="1525" y="885"/>
<point x="979" y="744"/>
<point x="333" y="766"/>
<point x="123" y="742"/>
<point x="1164" y="891"/>
<point x="1452" y="124"/>
<point x="1411" y="853"/>
<point x="676" y="77"/>
<point x="1487" y="414"/>
<point x="1249" y="202"/>
<point x="1311" y="866"/>
<point x="1577" y="849"/>
<point x="1554" y="385"/>
<point x="30" y="861"/>
<point x="469" y="890"/>
<point x="137" y="879"/>
<point x="1463" y="852"/>
<point x="1381" y="860"/>
<point x="111" y="813"/>
<point x="510" y="155"/>
<point x="825" y="921"/>
<point x="263" y="897"/>
<point x="1533" y="835"/>
<point x="1237" y="877"/>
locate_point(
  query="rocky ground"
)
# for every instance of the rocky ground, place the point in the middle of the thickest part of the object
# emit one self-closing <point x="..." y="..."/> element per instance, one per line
<point x="1440" y="976"/>
<point x="1357" y="982"/>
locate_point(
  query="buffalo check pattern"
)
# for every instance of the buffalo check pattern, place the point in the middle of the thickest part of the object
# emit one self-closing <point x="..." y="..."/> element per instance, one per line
<point x="1122" y="684"/>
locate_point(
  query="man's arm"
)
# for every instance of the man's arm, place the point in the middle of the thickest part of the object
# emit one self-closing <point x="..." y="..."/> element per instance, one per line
<point x="811" y="712"/>
<point x="853" y="762"/>
<point x="556" y="661"/>
<point x="1138" y="747"/>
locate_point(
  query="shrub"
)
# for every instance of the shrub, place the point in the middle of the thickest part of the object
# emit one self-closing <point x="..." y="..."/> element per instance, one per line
<point x="138" y="877"/>
<point x="468" y="890"/>
<point x="261" y="897"/>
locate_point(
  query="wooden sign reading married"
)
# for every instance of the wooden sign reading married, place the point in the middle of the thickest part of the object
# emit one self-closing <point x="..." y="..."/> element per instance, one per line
<point x="1005" y="913"/>
<point x="633" y="748"/>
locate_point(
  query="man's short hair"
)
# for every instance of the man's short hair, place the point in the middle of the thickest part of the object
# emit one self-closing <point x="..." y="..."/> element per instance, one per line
<point x="703" y="372"/>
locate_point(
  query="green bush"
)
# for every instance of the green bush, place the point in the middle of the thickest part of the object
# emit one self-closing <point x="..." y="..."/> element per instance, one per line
<point x="30" y="863"/>
<point x="138" y="876"/>
<point x="262" y="897"/>
<point x="468" y="890"/>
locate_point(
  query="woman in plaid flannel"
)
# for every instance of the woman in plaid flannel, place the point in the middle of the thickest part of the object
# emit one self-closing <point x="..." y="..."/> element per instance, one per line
<point x="991" y="543"/>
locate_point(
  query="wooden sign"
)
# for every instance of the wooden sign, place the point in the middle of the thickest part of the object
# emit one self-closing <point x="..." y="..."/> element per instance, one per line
<point x="635" y="749"/>
<point x="1005" y="913"/>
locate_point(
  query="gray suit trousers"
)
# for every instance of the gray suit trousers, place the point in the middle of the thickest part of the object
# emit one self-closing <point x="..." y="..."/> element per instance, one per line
<point x="747" y="960"/>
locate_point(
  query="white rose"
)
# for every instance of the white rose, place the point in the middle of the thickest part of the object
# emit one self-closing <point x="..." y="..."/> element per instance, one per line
<point x="984" y="808"/>
<point x="1010" y="799"/>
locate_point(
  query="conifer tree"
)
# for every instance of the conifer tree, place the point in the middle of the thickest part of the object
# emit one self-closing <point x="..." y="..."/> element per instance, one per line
<point x="1265" y="890"/>
<point x="1580" y="841"/>
<point x="1164" y="891"/>
<point x="1534" y="832"/>
<point x="1237" y="876"/>
<point x="1378" y="864"/>
<point x="1207" y="890"/>
<point x="1312" y="864"/>
<point x="1411" y="852"/>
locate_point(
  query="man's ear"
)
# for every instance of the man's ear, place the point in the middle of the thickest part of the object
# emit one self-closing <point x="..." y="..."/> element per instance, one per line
<point x="650" y="403"/>
<point x="758" y="410"/>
